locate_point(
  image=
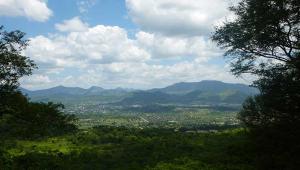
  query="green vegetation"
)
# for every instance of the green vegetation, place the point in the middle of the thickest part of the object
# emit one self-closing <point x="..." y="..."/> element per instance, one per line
<point x="23" y="119"/>
<point x="264" y="40"/>
<point x="131" y="148"/>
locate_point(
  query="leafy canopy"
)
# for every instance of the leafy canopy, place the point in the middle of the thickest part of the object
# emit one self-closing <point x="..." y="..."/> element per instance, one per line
<point x="13" y="65"/>
<point x="264" y="32"/>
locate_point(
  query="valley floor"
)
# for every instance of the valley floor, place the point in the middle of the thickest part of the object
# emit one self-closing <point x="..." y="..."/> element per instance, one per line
<point x="120" y="148"/>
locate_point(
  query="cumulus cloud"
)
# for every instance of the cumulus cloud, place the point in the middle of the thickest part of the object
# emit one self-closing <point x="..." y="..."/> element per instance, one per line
<point x="178" y="17"/>
<point x="107" y="44"/>
<point x="32" y="9"/>
<point x="99" y="44"/>
<point x="160" y="46"/>
<point x="73" y="24"/>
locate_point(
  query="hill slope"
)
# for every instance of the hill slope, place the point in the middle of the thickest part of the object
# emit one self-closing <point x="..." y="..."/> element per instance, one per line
<point x="206" y="86"/>
<point x="204" y="92"/>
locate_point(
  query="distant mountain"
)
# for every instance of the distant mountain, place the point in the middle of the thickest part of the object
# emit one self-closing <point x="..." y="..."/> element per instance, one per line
<point x="147" y="98"/>
<point x="60" y="90"/>
<point x="94" y="90"/>
<point x="206" y="86"/>
<point x="73" y="91"/>
<point x="25" y="91"/>
<point x="192" y="98"/>
<point x="77" y="95"/>
<point x="204" y="92"/>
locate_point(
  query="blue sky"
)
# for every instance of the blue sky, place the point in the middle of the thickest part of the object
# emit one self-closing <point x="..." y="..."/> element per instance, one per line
<point x="119" y="43"/>
<point x="106" y="12"/>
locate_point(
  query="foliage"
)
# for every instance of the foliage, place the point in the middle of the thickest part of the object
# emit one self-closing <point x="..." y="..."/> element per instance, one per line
<point x="13" y="65"/>
<point x="22" y="118"/>
<point x="279" y="101"/>
<point x="264" y="40"/>
<point x="274" y="118"/>
<point x="263" y="29"/>
<point x="128" y="148"/>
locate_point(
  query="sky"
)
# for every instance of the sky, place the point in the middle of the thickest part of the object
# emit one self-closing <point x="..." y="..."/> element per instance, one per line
<point x="139" y="44"/>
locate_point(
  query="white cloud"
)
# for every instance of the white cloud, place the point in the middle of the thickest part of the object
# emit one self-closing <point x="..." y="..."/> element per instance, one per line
<point x="99" y="44"/>
<point x="161" y="46"/>
<point x="32" y="9"/>
<point x="178" y="17"/>
<point x="106" y="44"/>
<point x="73" y="24"/>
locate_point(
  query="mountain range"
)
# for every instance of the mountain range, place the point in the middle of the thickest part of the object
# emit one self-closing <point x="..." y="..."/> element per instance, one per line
<point x="204" y="92"/>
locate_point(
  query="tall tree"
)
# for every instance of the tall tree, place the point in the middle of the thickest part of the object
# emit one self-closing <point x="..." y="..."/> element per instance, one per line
<point x="264" y="40"/>
<point x="13" y="65"/>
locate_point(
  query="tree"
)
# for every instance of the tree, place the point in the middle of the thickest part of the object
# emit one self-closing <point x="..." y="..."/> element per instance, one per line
<point x="265" y="32"/>
<point x="13" y="65"/>
<point x="279" y="101"/>
<point x="273" y="118"/>
<point x="264" y="40"/>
